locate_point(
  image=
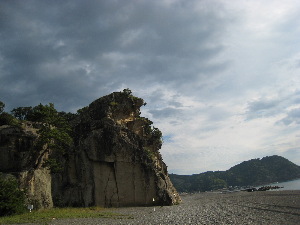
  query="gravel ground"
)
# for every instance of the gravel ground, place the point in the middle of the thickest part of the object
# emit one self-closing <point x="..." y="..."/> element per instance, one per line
<point x="270" y="207"/>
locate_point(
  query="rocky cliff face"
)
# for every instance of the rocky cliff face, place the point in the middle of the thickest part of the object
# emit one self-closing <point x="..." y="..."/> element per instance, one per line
<point x="115" y="160"/>
<point x="17" y="158"/>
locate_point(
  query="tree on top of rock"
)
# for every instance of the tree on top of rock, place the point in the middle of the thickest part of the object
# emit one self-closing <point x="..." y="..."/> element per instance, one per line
<point x="54" y="135"/>
<point x="2" y="106"/>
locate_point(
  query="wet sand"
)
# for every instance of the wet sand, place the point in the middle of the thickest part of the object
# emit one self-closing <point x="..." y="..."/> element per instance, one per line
<point x="268" y="207"/>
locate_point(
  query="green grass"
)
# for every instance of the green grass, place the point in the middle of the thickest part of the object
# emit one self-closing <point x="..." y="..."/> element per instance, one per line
<point x="47" y="215"/>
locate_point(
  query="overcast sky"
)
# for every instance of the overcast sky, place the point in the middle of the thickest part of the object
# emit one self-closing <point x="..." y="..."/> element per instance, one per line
<point x="221" y="78"/>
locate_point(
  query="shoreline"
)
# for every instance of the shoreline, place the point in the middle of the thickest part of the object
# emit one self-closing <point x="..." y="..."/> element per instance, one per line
<point x="279" y="207"/>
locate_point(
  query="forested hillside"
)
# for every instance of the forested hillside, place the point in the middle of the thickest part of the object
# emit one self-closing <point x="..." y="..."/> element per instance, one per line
<point x="248" y="173"/>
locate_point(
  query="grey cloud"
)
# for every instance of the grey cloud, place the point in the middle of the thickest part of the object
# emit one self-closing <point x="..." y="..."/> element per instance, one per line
<point x="262" y="108"/>
<point x="45" y="46"/>
<point x="216" y="114"/>
<point x="158" y="99"/>
<point x="176" y="104"/>
<point x="296" y="99"/>
<point x="293" y="116"/>
<point x="262" y="105"/>
<point x="272" y="107"/>
<point x="214" y="118"/>
<point x="175" y="122"/>
<point x="165" y="113"/>
<point x="269" y="107"/>
<point x="293" y="154"/>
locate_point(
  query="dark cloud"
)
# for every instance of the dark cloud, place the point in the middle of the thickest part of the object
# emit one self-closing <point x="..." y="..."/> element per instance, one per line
<point x="262" y="108"/>
<point x="165" y="113"/>
<point x="194" y="62"/>
<point x="71" y="52"/>
<point x="293" y="116"/>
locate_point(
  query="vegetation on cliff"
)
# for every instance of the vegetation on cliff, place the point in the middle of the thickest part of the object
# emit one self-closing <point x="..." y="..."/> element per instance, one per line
<point x="54" y="133"/>
<point x="6" y="118"/>
<point x="12" y="199"/>
<point x="249" y="173"/>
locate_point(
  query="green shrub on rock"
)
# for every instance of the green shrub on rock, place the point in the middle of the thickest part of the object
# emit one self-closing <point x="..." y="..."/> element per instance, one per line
<point x="2" y="106"/>
<point x="7" y="119"/>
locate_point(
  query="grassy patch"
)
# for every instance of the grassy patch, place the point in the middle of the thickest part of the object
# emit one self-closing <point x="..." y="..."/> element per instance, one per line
<point x="47" y="215"/>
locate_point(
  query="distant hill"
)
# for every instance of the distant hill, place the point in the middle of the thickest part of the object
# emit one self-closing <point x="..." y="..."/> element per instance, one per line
<point x="248" y="173"/>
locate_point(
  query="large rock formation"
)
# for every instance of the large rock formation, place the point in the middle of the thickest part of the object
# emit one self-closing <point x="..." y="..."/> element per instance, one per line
<point x="114" y="161"/>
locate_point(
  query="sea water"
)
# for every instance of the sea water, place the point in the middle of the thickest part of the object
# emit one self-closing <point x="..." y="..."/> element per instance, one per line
<point x="288" y="185"/>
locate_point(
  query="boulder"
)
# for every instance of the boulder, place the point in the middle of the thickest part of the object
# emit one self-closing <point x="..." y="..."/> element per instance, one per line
<point x="115" y="160"/>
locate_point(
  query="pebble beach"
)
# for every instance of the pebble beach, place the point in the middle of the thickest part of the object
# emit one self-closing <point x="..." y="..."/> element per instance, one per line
<point x="265" y="207"/>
